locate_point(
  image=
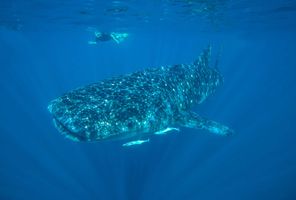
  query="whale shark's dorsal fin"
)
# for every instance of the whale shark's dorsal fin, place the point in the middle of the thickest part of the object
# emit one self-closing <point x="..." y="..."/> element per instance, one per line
<point x="193" y="120"/>
<point x="204" y="58"/>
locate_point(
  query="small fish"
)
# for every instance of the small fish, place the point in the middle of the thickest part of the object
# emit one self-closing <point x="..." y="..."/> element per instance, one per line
<point x="166" y="130"/>
<point x="135" y="142"/>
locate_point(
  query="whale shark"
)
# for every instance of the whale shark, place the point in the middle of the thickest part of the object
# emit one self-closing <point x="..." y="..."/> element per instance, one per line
<point x="132" y="106"/>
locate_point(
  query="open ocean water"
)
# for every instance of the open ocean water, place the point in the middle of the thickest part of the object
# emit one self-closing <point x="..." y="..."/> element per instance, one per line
<point x="44" y="52"/>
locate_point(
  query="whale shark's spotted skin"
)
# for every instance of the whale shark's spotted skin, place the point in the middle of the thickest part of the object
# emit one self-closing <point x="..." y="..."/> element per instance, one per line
<point x="140" y="103"/>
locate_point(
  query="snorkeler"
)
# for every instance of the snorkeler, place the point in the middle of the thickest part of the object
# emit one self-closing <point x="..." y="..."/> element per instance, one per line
<point x="103" y="37"/>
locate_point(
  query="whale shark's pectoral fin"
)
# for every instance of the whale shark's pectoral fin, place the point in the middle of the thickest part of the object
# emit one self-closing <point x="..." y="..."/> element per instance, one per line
<point x="193" y="120"/>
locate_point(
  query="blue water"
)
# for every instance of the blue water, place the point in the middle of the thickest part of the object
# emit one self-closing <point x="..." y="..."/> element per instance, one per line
<point x="44" y="53"/>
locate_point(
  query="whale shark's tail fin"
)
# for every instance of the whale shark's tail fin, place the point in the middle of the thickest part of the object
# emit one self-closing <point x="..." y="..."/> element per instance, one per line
<point x="204" y="58"/>
<point x="202" y="64"/>
<point x="218" y="58"/>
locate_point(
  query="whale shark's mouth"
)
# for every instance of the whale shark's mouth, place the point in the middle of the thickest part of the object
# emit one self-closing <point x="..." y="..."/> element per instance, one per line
<point x="66" y="131"/>
<point x="64" y="122"/>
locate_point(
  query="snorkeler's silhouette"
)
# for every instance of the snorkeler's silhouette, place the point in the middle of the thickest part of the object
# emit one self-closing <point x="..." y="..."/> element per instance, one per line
<point x="103" y="37"/>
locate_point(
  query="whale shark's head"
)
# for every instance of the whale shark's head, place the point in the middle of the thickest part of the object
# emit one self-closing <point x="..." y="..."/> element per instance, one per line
<point x="85" y="115"/>
<point x="78" y="118"/>
<point x="65" y="121"/>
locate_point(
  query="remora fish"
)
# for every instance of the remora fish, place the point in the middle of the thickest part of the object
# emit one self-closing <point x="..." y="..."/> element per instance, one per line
<point x="139" y="104"/>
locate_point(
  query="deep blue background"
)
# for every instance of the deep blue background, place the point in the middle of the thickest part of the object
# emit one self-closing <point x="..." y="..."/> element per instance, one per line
<point x="257" y="100"/>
